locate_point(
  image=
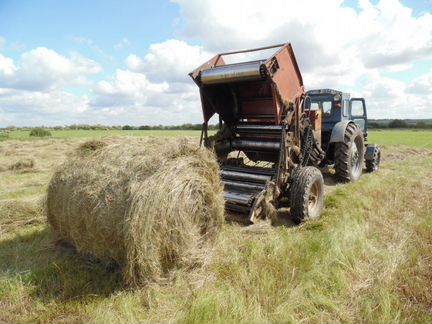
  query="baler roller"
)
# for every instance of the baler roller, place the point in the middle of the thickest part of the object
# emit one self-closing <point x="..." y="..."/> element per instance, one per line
<point x="248" y="71"/>
<point x="251" y="130"/>
<point x="248" y="145"/>
<point x="242" y="176"/>
<point x="240" y="144"/>
<point x="243" y="199"/>
<point x="259" y="128"/>
<point x="240" y="186"/>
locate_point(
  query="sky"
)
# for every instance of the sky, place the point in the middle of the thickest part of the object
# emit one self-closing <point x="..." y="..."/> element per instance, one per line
<point x="127" y="62"/>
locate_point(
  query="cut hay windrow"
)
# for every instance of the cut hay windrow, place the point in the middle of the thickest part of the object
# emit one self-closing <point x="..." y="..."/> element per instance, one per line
<point x="16" y="213"/>
<point x="150" y="205"/>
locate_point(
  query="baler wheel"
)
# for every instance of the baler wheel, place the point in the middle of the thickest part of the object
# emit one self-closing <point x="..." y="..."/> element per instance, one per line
<point x="306" y="194"/>
<point x="349" y="155"/>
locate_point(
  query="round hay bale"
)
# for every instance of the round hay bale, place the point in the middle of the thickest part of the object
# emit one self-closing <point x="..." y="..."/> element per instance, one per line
<point x="149" y="204"/>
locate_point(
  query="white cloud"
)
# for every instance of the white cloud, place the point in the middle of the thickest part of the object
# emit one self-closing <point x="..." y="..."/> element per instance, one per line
<point x="354" y="50"/>
<point x="22" y="107"/>
<point x="422" y="85"/>
<point x="384" y="34"/>
<point x="389" y="98"/>
<point x="127" y="87"/>
<point x="336" y="47"/>
<point x="42" y="69"/>
<point x="133" y="98"/>
<point x="7" y="66"/>
<point x="32" y="91"/>
<point x="171" y="60"/>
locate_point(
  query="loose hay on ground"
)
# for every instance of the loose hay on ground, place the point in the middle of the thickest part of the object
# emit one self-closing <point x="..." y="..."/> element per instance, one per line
<point x="16" y="213"/>
<point x="90" y="146"/>
<point x="150" y="205"/>
<point x="22" y="164"/>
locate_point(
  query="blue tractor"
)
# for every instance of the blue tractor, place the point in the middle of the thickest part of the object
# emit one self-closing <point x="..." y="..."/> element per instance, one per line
<point x="340" y="128"/>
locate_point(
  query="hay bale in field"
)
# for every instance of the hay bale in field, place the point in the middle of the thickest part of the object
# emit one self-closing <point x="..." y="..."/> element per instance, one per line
<point x="150" y="205"/>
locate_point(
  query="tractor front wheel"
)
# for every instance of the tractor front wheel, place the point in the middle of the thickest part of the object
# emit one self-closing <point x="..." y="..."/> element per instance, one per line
<point x="349" y="155"/>
<point x="374" y="163"/>
<point x="306" y="194"/>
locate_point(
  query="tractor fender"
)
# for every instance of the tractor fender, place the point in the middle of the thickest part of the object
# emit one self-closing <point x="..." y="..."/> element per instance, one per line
<point x="338" y="131"/>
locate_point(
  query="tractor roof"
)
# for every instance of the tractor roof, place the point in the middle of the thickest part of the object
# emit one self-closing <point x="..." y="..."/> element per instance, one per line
<point x="326" y="91"/>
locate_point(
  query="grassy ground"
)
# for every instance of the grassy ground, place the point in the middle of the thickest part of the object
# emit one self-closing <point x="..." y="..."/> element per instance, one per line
<point x="417" y="138"/>
<point x="367" y="259"/>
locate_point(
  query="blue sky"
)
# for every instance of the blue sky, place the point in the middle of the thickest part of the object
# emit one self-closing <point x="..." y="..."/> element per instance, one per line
<point x="93" y="28"/>
<point x="119" y="62"/>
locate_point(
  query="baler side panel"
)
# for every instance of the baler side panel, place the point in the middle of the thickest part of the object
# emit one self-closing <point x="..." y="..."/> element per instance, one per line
<point x="286" y="76"/>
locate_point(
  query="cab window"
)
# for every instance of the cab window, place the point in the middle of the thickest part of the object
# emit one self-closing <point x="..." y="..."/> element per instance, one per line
<point x="357" y="108"/>
<point x="326" y="107"/>
<point x="314" y="106"/>
<point x="346" y="107"/>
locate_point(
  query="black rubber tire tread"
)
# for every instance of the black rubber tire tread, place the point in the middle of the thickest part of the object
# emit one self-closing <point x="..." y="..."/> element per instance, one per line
<point x="301" y="183"/>
<point x="342" y="158"/>
<point x="316" y="156"/>
<point x="373" y="165"/>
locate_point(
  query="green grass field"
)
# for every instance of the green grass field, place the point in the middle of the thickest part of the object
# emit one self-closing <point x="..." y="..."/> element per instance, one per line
<point x="367" y="259"/>
<point x="417" y="138"/>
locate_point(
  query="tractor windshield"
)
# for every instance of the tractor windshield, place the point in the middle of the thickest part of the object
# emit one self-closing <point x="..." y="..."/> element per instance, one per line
<point x="324" y="105"/>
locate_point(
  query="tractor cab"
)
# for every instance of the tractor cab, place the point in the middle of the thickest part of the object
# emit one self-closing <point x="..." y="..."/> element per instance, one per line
<point x="344" y="129"/>
<point x="336" y="107"/>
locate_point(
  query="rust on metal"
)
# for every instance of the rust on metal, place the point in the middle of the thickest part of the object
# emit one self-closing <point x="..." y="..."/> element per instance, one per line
<point x="279" y="82"/>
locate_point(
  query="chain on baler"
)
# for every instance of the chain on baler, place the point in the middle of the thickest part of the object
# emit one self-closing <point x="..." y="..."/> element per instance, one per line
<point x="307" y="145"/>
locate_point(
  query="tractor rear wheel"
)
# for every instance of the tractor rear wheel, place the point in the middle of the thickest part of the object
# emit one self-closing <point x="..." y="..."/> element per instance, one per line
<point x="306" y="194"/>
<point x="349" y="154"/>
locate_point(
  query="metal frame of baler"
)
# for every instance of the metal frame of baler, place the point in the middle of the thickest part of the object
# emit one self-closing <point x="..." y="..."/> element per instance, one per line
<point x="291" y="109"/>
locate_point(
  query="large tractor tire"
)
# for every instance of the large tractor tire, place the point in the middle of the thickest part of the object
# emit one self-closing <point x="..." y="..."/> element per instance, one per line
<point x="374" y="163"/>
<point x="306" y="194"/>
<point x="348" y="155"/>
